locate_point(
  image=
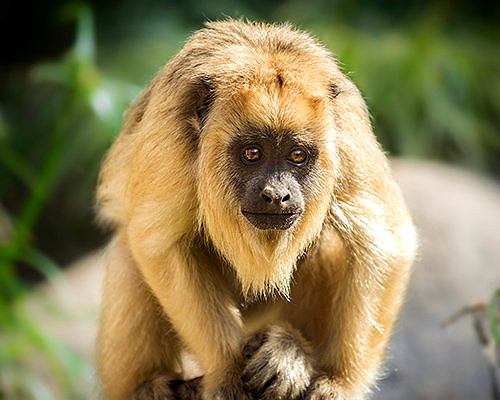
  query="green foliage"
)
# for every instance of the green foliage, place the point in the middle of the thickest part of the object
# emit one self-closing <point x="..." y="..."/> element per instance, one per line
<point x="25" y="348"/>
<point x="82" y="98"/>
<point x="80" y="94"/>
<point x="427" y="91"/>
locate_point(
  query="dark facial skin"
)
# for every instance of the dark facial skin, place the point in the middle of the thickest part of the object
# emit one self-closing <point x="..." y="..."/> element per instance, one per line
<point x="269" y="176"/>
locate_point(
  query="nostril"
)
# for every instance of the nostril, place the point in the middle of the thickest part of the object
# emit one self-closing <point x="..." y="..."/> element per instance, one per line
<point x="285" y="198"/>
<point x="267" y="198"/>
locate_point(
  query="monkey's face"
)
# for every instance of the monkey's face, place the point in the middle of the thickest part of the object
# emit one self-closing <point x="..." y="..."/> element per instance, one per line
<point x="269" y="175"/>
<point x="266" y="174"/>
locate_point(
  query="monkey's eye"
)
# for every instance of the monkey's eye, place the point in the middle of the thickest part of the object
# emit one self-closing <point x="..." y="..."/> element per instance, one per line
<point x="251" y="154"/>
<point x="297" y="155"/>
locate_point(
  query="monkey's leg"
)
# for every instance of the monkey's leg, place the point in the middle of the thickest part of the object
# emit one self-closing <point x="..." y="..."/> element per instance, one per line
<point x="134" y="342"/>
<point x="201" y="311"/>
<point x="347" y="314"/>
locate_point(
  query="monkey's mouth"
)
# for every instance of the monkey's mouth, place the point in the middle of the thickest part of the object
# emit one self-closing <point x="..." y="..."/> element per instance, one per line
<point x="279" y="221"/>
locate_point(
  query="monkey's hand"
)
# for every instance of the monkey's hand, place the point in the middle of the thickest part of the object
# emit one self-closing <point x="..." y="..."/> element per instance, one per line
<point x="278" y="364"/>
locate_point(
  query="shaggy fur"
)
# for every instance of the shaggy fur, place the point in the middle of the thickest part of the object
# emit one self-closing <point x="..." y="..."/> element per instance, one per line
<point x="187" y="271"/>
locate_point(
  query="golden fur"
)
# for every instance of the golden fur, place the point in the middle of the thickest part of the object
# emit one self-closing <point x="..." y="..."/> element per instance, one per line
<point x="187" y="271"/>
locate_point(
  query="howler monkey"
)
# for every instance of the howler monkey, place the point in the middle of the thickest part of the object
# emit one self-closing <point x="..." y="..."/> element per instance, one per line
<point x="257" y="227"/>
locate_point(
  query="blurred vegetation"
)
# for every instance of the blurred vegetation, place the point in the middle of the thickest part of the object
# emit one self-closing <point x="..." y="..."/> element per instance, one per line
<point x="430" y="72"/>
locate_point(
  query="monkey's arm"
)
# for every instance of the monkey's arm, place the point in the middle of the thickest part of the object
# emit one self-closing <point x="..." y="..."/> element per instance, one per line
<point x="349" y="291"/>
<point x="355" y="300"/>
<point x="198" y="306"/>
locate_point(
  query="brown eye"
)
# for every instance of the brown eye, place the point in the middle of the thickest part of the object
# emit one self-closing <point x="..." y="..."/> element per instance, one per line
<point x="297" y="156"/>
<point x="252" y="154"/>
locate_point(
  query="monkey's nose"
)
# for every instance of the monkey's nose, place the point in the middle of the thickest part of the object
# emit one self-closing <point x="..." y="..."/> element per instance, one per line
<point x="275" y="195"/>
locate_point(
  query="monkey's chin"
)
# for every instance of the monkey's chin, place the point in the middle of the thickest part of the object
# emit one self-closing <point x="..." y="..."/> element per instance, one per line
<point x="266" y="221"/>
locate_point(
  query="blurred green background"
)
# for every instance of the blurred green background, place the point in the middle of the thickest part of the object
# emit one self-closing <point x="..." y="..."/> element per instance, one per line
<point x="429" y="71"/>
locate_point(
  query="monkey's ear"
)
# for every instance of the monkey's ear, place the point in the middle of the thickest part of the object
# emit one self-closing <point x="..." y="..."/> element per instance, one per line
<point x="136" y="110"/>
<point x="334" y="90"/>
<point x="205" y="95"/>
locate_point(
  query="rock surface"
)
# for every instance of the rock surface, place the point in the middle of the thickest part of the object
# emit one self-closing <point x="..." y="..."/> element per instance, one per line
<point x="458" y="218"/>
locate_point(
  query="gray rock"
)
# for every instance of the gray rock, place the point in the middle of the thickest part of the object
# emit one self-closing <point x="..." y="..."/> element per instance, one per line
<point x="458" y="218"/>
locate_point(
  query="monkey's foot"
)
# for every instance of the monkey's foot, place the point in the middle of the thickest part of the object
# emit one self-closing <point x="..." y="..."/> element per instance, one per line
<point x="187" y="390"/>
<point x="278" y="364"/>
<point x="155" y="389"/>
<point x="231" y="388"/>
<point x="324" y="388"/>
<point x="164" y="387"/>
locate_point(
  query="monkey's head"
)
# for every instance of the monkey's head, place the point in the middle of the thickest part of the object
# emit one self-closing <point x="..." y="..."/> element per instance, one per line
<point x="268" y="158"/>
<point x="239" y="138"/>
